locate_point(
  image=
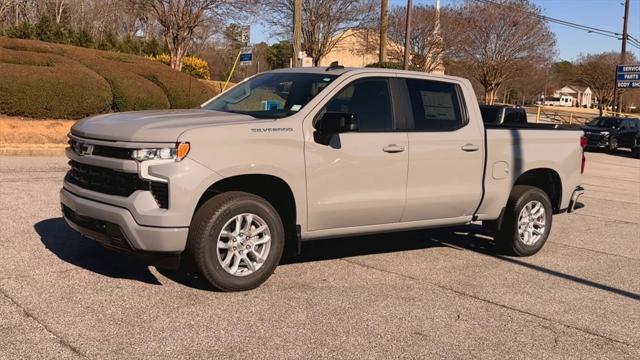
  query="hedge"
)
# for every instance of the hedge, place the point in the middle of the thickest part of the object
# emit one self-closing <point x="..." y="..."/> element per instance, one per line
<point x="49" y="86"/>
<point x="47" y="80"/>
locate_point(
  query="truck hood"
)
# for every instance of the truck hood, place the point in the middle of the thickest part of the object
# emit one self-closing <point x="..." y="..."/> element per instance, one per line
<point x="595" y="129"/>
<point x="152" y="126"/>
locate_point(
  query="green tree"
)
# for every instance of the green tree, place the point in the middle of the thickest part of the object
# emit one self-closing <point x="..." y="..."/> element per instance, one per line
<point x="279" y="54"/>
<point x="563" y="73"/>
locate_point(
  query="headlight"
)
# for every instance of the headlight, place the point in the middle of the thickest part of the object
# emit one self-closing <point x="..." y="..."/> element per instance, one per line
<point x="176" y="153"/>
<point x="604" y="133"/>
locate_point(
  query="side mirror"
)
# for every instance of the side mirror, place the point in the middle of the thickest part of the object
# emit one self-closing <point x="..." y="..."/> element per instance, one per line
<point x="334" y="123"/>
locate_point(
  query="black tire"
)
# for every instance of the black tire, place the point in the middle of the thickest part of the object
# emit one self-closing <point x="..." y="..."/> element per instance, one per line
<point x="508" y="235"/>
<point x="613" y="145"/>
<point x="208" y="223"/>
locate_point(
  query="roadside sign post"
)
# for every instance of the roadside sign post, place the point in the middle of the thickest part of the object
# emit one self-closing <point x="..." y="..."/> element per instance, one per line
<point x="628" y="76"/>
<point x="246" y="56"/>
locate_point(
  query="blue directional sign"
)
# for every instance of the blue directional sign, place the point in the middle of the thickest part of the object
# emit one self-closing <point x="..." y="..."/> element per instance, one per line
<point x="628" y="76"/>
<point x="246" y="56"/>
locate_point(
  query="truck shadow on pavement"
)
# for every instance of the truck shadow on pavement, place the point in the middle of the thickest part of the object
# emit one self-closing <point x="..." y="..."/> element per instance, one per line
<point x="75" y="249"/>
<point x="87" y="254"/>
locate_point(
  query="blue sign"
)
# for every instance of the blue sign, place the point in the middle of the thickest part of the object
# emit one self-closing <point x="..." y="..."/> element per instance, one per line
<point x="245" y="57"/>
<point x="628" y="76"/>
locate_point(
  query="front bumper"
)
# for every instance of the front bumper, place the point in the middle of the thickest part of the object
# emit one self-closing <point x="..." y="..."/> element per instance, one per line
<point x="597" y="141"/>
<point x="116" y="228"/>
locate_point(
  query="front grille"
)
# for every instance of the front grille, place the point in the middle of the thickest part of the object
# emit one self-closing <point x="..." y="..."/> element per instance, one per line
<point x="103" y="180"/>
<point x="105" y="232"/>
<point x="160" y="192"/>
<point x="106" y="151"/>
<point x="111" y="182"/>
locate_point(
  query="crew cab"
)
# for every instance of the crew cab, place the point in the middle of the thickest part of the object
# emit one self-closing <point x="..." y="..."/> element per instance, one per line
<point x="312" y="153"/>
<point x="611" y="133"/>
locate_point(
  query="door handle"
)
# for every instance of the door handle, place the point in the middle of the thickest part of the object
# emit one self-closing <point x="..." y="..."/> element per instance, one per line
<point x="393" y="148"/>
<point x="470" y="147"/>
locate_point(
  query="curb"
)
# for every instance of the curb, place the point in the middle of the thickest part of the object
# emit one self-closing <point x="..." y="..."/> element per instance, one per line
<point x="32" y="149"/>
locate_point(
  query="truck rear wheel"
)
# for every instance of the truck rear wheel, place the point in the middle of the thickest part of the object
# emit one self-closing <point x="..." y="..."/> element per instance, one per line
<point x="236" y="240"/>
<point x="527" y="221"/>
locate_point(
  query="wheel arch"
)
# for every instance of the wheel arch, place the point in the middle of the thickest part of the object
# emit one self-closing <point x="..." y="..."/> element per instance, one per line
<point x="270" y="187"/>
<point x="547" y="180"/>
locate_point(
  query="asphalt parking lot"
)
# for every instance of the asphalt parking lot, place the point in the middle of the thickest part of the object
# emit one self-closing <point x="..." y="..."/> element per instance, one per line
<point x="444" y="293"/>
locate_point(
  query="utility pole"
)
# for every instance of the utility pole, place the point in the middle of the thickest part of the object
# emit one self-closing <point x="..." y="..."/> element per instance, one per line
<point x="297" y="32"/>
<point x="384" y="28"/>
<point x="623" y="52"/>
<point x="407" y="36"/>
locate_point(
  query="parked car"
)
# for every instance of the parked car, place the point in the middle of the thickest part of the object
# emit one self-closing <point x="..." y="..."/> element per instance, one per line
<point x="312" y="153"/>
<point x="611" y="133"/>
<point x="503" y="114"/>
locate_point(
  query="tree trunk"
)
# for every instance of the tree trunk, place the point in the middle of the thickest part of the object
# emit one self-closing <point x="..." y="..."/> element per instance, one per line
<point x="489" y="94"/>
<point x="176" y="53"/>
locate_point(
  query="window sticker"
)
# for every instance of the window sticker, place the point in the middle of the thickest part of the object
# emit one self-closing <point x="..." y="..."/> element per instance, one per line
<point x="296" y="107"/>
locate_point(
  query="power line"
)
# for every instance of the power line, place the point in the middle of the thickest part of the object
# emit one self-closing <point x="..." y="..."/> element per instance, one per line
<point x="589" y="29"/>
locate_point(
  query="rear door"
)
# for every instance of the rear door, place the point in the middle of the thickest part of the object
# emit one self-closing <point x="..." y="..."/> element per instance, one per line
<point x="446" y="152"/>
<point x="360" y="178"/>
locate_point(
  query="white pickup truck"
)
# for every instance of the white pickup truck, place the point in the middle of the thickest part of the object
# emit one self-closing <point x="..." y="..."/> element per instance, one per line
<point x="310" y="153"/>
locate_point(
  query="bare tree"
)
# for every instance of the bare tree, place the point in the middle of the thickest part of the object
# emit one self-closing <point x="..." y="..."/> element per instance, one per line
<point x="180" y="19"/>
<point x="59" y="6"/>
<point x="597" y="72"/>
<point x="429" y="45"/>
<point x="499" y="40"/>
<point x="324" y="21"/>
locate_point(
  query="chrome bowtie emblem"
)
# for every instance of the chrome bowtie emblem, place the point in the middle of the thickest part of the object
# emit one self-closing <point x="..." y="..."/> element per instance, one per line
<point x="83" y="149"/>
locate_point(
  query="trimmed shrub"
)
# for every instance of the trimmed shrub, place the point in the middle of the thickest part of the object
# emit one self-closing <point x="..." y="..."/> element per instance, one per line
<point x="130" y="91"/>
<point x="49" y="86"/>
<point x="40" y="79"/>
<point x="182" y="90"/>
<point x="190" y="64"/>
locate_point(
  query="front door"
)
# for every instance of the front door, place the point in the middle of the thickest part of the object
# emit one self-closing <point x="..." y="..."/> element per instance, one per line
<point x="360" y="177"/>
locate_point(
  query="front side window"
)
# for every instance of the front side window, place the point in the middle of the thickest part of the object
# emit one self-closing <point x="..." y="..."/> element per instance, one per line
<point x="369" y="99"/>
<point x="272" y="95"/>
<point x="436" y="105"/>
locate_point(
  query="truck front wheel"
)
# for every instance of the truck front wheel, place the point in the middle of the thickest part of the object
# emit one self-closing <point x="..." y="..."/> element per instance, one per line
<point x="236" y="240"/>
<point x="527" y="221"/>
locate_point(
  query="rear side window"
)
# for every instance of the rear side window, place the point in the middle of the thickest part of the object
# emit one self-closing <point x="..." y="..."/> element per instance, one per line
<point x="436" y="105"/>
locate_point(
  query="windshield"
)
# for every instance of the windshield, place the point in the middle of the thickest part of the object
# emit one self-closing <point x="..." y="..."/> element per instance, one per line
<point x="606" y="122"/>
<point x="272" y="95"/>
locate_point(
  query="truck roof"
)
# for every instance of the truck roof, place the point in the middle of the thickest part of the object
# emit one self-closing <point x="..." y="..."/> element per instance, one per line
<point x="362" y="70"/>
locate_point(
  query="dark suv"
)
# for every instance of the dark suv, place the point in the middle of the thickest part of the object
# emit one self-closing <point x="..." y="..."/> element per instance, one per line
<point x="611" y="133"/>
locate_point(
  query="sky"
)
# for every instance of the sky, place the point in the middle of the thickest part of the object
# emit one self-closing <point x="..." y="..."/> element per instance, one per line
<point x="602" y="14"/>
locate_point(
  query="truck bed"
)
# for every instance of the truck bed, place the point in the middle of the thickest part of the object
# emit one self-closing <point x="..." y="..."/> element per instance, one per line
<point x="512" y="150"/>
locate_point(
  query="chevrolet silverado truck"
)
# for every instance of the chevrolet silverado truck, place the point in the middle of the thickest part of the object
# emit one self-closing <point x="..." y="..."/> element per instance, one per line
<point x="312" y="153"/>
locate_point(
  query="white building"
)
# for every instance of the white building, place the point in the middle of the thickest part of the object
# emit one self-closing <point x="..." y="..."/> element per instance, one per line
<point x="570" y="96"/>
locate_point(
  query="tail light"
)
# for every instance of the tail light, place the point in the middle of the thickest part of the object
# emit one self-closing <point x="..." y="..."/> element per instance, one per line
<point x="583" y="145"/>
<point x="583" y="142"/>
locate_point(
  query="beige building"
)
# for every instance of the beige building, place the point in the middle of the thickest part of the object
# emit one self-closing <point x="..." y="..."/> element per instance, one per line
<point x="355" y="48"/>
<point x="359" y="47"/>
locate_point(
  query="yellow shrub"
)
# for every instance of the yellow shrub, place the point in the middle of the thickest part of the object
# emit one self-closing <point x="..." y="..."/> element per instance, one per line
<point x="190" y="64"/>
